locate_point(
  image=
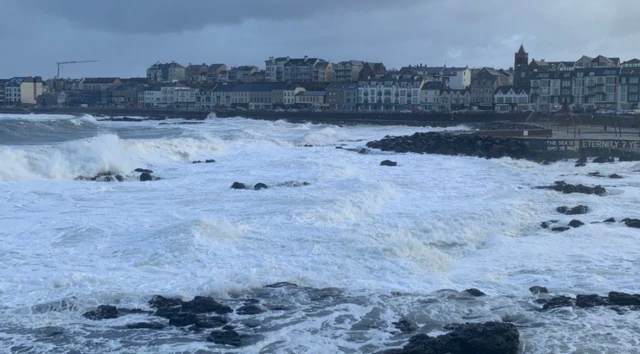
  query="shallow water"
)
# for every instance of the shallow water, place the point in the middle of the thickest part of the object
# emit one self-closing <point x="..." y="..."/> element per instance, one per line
<point x="387" y="238"/>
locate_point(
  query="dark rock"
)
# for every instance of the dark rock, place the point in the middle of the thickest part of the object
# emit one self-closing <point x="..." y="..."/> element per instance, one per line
<point x="599" y="190"/>
<point x="158" y="302"/>
<point x="339" y="147"/>
<point x="628" y="158"/>
<point x="123" y="312"/>
<point x="635" y="223"/>
<point x="230" y="337"/>
<point x="228" y="328"/>
<point x="294" y="184"/>
<point x="545" y="225"/>
<point x="103" y="312"/>
<point x="561" y="186"/>
<point x="560" y="228"/>
<point x="582" y="159"/>
<point x="538" y="290"/>
<point x="308" y="145"/>
<point x="249" y="310"/>
<point x="209" y="161"/>
<point x="281" y="285"/>
<point x="405" y="326"/>
<point x="577" y="210"/>
<point x="107" y="179"/>
<point x="603" y="159"/>
<point x="197" y="162"/>
<point x="595" y="174"/>
<point x="562" y="209"/>
<point x="119" y="178"/>
<point x="363" y="151"/>
<point x="615" y="176"/>
<point x="205" y="304"/>
<point x="167" y="312"/>
<point x="470" y="338"/>
<point x="145" y="176"/>
<point x="212" y="322"/>
<point x="558" y="301"/>
<point x="474" y="292"/>
<point x="581" y="164"/>
<point x="238" y="185"/>
<point x="624" y="299"/>
<point x="591" y="301"/>
<point x="182" y="319"/>
<point x="260" y="186"/>
<point x="610" y="220"/>
<point x="145" y="325"/>
<point x="142" y="170"/>
<point x="575" y="223"/>
<point x="388" y="163"/>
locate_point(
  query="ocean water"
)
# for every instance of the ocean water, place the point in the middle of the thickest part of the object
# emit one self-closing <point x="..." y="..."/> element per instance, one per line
<point x="366" y="245"/>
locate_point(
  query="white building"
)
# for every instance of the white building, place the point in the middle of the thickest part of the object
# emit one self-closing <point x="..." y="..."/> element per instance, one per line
<point x="23" y="90"/>
<point x="508" y="99"/>
<point x="389" y="94"/>
<point x="430" y="95"/>
<point x="184" y="97"/>
<point x="457" y="78"/>
<point x="274" y="71"/>
<point x="153" y="98"/>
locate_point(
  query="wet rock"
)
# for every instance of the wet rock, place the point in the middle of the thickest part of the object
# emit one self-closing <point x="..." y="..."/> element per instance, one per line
<point x="228" y="328"/>
<point x="231" y="338"/>
<point x="476" y="338"/>
<point x="566" y="188"/>
<point x="142" y="170"/>
<point x="603" y="159"/>
<point x="182" y="319"/>
<point x="123" y="312"/>
<point x="145" y="176"/>
<point x="363" y="151"/>
<point x="610" y="220"/>
<point x="558" y="301"/>
<point x="205" y="304"/>
<point x="281" y="285"/>
<point x="582" y="160"/>
<point x="545" y="225"/>
<point x="238" y="185"/>
<point x="538" y="290"/>
<point x="211" y="322"/>
<point x="575" y="223"/>
<point x="591" y="300"/>
<point x="294" y="184"/>
<point x="249" y="310"/>
<point x="103" y="312"/>
<point x="594" y="174"/>
<point x="260" y="186"/>
<point x="205" y="161"/>
<point x="308" y="145"/>
<point x="560" y="228"/>
<point x="615" y="176"/>
<point x="145" y="325"/>
<point x="168" y="312"/>
<point x="577" y="210"/>
<point x="580" y="165"/>
<point x="119" y="178"/>
<point x="635" y="223"/>
<point x="339" y="147"/>
<point x="624" y="299"/>
<point x="388" y="163"/>
<point x="628" y="158"/>
<point x="474" y="292"/>
<point x="405" y="326"/>
<point x="158" y="302"/>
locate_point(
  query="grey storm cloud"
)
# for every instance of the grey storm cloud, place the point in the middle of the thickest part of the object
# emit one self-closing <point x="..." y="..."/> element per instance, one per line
<point x="170" y="16"/>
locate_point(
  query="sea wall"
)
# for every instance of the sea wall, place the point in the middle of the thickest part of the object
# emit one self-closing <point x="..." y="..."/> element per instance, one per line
<point x="585" y="147"/>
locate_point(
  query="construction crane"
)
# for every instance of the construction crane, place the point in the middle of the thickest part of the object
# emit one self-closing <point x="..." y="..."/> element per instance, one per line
<point x="62" y="63"/>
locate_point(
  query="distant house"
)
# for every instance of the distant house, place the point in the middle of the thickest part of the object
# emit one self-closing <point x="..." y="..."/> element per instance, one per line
<point x="342" y="96"/>
<point x="164" y="73"/>
<point x="430" y="95"/>
<point x="313" y="99"/>
<point x="452" y="100"/>
<point x="372" y="71"/>
<point x="389" y="93"/>
<point x="511" y="98"/>
<point x="485" y="83"/>
<point x="255" y="95"/>
<point x="99" y="83"/>
<point x="196" y="73"/>
<point x="214" y="70"/>
<point x="3" y="83"/>
<point x="274" y="71"/>
<point x="347" y="71"/>
<point x="299" y="69"/>
<point x="153" y="98"/>
<point x="242" y="73"/>
<point x="323" y="72"/>
<point x="23" y="90"/>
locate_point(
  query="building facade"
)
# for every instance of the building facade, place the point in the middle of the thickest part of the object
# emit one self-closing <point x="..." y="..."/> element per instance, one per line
<point x="167" y="72"/>
<point x="99" y="83"/>
<point x="274" y="69"/>
<point x="196" y="73"/>
<point x="453" y="100"/>
<point x="342" y="96"/>
<point x="430" y="95"/>
<point x="511" y="98"/>
<point x="3" y="83"/>
<point x="313" y="99"/>
<point x="485" y="83"/>
<point x="389" y="93"/>
<point x="23" y="90"/>
<point x="456" y="78"/>
<point x="347" y="71"/>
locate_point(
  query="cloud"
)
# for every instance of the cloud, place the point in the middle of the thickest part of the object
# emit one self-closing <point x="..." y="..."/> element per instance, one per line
<point x="170" y="16"/>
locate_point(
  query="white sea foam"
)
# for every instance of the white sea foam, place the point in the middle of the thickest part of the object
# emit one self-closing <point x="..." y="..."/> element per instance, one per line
<point x="432" y="222"/>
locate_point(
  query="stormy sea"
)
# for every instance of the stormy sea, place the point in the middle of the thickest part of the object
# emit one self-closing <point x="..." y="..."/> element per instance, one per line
<point x="317" y="249"/>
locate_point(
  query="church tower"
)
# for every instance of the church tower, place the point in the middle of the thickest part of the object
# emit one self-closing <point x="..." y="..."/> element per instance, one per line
<point x="520" y="63"/>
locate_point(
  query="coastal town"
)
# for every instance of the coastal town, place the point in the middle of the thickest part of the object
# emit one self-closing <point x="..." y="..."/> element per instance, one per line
<point x="587" y="84"/>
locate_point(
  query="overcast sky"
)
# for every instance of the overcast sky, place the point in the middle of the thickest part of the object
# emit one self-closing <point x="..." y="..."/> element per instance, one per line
<point x="129" y="35"/>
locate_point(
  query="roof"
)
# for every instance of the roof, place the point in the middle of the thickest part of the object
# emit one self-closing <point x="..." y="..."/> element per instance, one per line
<point x="432" y="85"/>
<point x="255" y="87"/>
<point x="505" y="90"/>
<point x="342" y="86"/>
<point x="99" y="80"/>
<point x="245" y="68"/>
<point x="16" y="81"/>
<point x="449" y="71"/>
<point x="322" y="64"/>
<point x="311" y="93"/>
<point x="215" y="66"/>
<point x="632" y="61"/>
<point x="449" y="90"/>
<point x="521" y="50"/>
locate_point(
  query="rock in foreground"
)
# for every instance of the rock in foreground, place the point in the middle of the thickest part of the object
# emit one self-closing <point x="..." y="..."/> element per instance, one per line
<point x="476" y="338"/>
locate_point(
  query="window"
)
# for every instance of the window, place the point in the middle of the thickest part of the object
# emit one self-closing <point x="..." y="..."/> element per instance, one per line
<point x="633" y="98"/>
<point x="611" y="97"/>
<point x="566" y="83"/>
<point x="623" y="97"/>
<point x="633" y="80"/>
<point x="611" y="80"/>
<point x="633" y="89"/>
<point x="544" y="83"/>
<point x="623" y="80"/>
<point x="599" y="80"/>
<point x="500" y="99"/>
